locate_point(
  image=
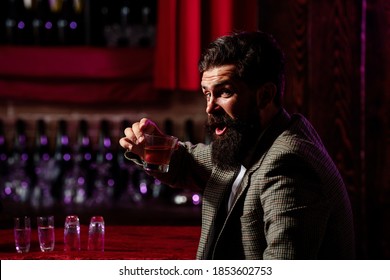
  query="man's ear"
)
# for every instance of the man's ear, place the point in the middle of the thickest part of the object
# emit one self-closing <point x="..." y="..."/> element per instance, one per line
<point x="265" y="95"/>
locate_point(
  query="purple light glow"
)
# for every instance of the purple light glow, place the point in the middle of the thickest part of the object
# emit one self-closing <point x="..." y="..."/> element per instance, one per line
<point x="73" y="25"/>
<point x="67" y="200"/>
<point x="80" y="180"/>
<point x="64" y="140"/>
<point x="45" y="157"/>
<point x="85" y="141"/>
<point x="44" y="140"/>
<point x="24" y="157"/>
<point x="109" y="156"/>
<point x="66" y="157"/>
<point x="107" y="142"/>
<point x="196" y="199"/>
<point x="80" y="196"/>
<point x="21" y="25"/>
<point x="2" y="140"/>
<point x="87" y="156"/>
<point x="7" y="190"/>
<point x="111" y="182"/>
<point x="143" y="188"/>
<point x="48" y="25"/>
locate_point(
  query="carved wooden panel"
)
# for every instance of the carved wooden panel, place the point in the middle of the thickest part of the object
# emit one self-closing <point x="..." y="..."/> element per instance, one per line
<point x="335" y="94"/>
<point x="377" y="134"/>
<point x="338" y="60"/>
<point x="288" y="22"/>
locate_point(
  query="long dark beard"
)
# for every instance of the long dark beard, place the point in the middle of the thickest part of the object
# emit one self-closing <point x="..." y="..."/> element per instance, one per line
<point x="229" y="149"/>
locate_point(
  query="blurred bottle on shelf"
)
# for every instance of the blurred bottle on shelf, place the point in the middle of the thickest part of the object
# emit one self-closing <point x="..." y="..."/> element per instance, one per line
<point x="42" y="151"/>
<point x="3" y="154"/>
<point x="187" y="197"/>
<point x="3" y="13"/>
<point x="106" y="16"/>
<point x="144" y="28"/>
<point x="62" y="156"/>
<point x="45" y="169"/>
<point x="94" y="18"/>
<point x="77" y="180"/>
<point x="44" y="27"/>
<point x="123" y="172"/>
<point x="11" y="23"/>
<point x="104" y="166"/>
<point x="130" y="23"/>
<point x="189" y="131"/>
<point x="77" y="24"/>
<point x="18" y="24"/>
<point x="83" y="149"/>
<point x="17" y="185"/>
<point x="124" y="36"/>
<point x="70" y="23"/>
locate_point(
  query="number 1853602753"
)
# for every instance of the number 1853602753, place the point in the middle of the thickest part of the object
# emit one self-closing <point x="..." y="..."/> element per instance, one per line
<point x="244" y="270"/>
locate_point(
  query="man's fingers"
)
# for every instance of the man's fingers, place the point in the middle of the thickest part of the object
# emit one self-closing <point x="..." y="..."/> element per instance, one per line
<point x="134" y="135"/>
<point x="130" y="135"/>
<point x="149" y="127"/>
<point x="125" y="142"/>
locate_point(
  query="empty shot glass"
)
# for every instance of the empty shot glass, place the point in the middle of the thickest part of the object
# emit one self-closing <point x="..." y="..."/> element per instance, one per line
<point x="22" y="234"/>
<point x="46" y="233"/>
<point x="72" y="233"/>
<point x="96" y="234"/>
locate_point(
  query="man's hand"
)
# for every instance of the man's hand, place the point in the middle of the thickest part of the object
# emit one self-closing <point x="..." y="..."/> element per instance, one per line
<point x="134" y="136"/>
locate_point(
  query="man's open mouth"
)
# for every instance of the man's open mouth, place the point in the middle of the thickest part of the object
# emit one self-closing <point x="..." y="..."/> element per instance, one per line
<point x="220" y="129"/>
<point x="219" y="125"/>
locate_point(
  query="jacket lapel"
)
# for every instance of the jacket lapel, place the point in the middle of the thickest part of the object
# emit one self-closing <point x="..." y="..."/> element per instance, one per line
<point x="213" y="199"/>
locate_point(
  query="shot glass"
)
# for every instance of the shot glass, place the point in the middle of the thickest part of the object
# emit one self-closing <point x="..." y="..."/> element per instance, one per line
<point x="22" y="234"/>
<point x="46" y="233"/>
<point x="72" y="233"/>
<point x="158" y="150"/>
<point x="96" y="234"/>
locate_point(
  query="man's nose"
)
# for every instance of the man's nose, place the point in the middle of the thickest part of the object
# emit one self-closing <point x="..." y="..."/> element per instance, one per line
<point x="212" y="105"/>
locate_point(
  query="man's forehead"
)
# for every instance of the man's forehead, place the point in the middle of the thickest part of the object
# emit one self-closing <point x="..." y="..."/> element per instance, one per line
<point x="218" y="75"/>
<point x="218" y="70"/>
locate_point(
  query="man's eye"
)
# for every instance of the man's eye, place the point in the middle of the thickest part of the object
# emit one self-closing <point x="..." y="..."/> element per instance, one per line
<point x="226" y="93"/>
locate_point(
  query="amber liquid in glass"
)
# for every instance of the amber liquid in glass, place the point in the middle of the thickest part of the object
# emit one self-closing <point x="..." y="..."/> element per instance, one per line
<point x="157" y="154"/>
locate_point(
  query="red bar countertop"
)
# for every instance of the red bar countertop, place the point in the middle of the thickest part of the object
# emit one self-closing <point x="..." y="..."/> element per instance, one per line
<point x="122" y="242"/>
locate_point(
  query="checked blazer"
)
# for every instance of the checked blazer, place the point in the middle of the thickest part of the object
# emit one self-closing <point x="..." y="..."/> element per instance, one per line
<point x="291" y="204"/>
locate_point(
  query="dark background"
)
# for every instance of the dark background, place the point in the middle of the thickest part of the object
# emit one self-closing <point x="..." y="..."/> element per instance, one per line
<point x="338" y="59"/>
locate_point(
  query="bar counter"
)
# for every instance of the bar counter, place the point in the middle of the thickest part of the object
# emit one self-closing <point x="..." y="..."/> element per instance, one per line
<point x="122" y="242"/>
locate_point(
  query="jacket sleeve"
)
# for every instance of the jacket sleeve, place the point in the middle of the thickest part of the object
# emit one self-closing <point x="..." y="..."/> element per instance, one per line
<point x="296" y="208"/>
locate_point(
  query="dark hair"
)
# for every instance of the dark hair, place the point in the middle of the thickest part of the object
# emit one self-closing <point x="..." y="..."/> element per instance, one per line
<point x="256" y="55"/>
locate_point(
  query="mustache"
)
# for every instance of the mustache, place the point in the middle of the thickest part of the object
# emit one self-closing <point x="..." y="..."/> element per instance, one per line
<point x="224" y="120"/>
<point x="218" y="120"/>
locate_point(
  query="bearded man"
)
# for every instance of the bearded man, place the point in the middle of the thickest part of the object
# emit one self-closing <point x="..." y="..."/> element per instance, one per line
<point x="270" y="189"/>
